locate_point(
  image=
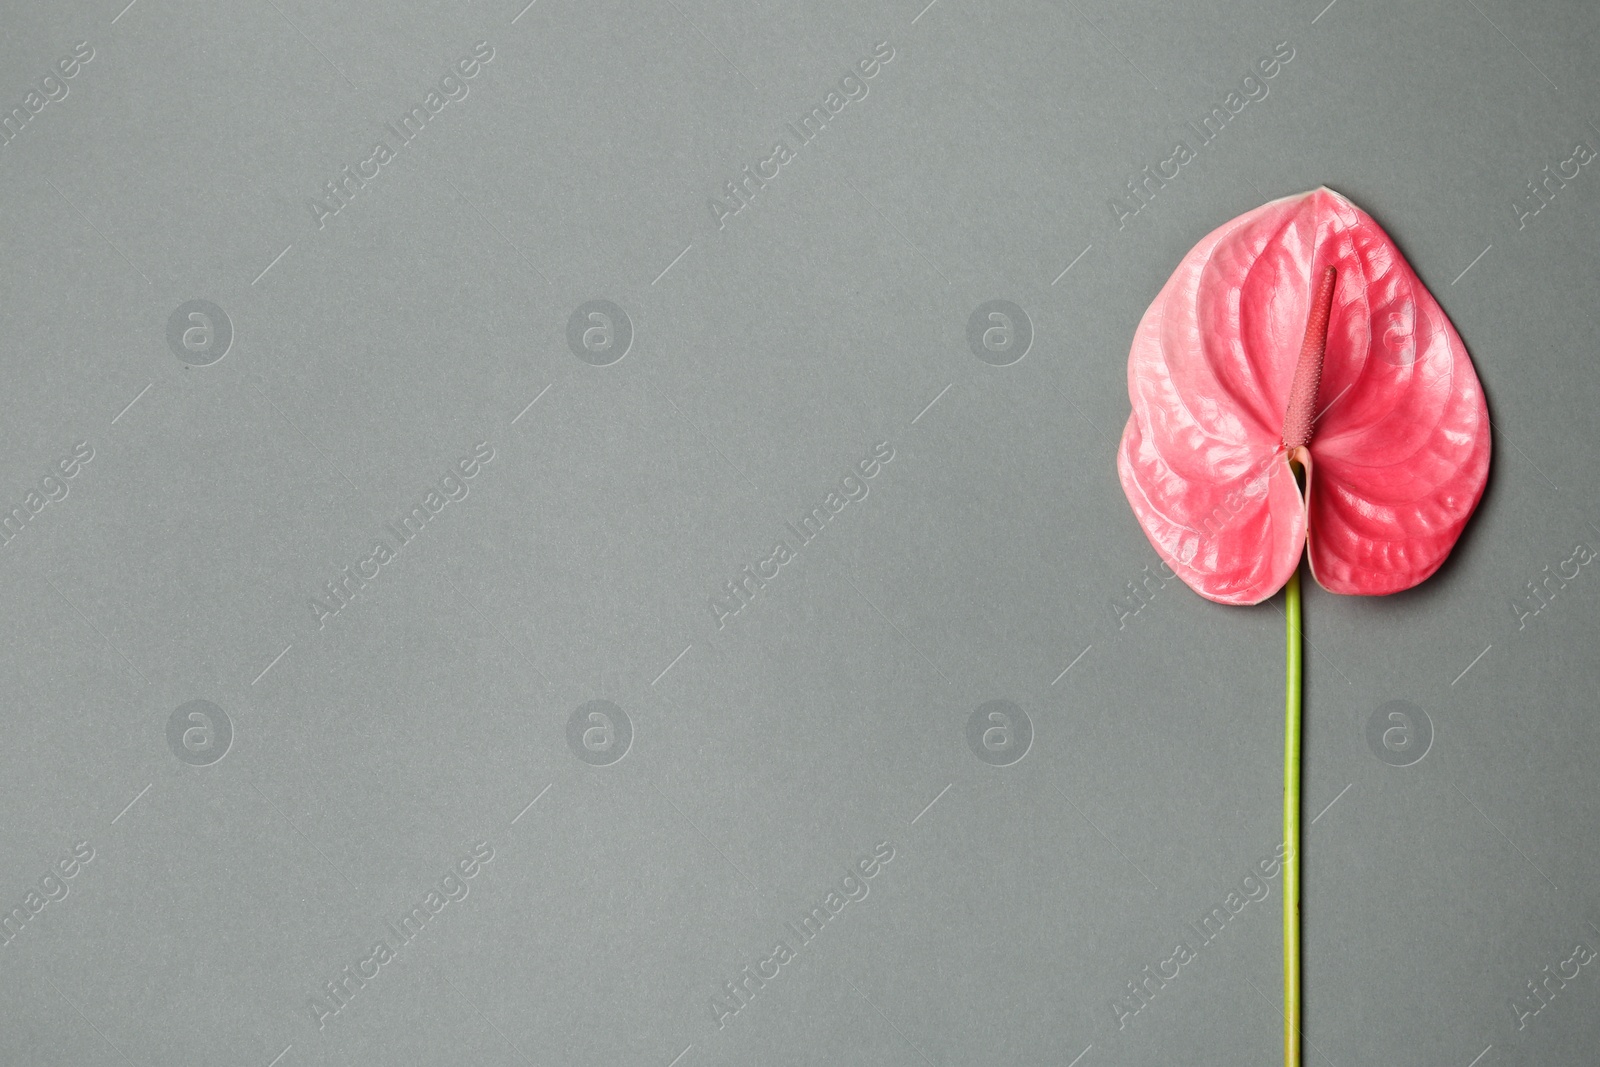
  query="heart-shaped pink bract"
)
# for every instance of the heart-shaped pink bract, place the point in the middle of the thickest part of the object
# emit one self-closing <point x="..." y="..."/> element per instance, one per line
<point x="1398" y="450"/>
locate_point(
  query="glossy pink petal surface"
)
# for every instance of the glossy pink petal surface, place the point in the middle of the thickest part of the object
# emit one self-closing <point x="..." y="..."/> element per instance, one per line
<point x="1399" y="453"/>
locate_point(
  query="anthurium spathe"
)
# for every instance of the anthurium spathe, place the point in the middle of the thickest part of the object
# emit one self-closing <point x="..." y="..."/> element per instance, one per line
<point x="1299" y="331"/>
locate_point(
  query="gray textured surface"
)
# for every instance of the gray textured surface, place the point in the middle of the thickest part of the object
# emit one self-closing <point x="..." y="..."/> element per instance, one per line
<point x="370" y="754"/>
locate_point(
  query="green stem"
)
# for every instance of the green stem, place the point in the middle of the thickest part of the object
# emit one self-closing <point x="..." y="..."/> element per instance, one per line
<point x="1291" y="827"/>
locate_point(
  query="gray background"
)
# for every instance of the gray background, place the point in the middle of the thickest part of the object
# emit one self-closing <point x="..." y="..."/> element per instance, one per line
<point x="768" y="357"/>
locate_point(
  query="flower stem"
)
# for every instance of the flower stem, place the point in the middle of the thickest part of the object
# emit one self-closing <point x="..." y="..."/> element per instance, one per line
<point x="1291" y="826"/>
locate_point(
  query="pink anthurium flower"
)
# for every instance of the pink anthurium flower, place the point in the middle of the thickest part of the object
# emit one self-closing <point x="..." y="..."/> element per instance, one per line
<point x="1297" y="391"/>
<point x="1299" y="331"/>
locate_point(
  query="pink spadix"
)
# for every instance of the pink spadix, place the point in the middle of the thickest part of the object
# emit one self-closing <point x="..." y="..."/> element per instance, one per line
<point x="1298" y="419"/>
